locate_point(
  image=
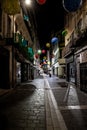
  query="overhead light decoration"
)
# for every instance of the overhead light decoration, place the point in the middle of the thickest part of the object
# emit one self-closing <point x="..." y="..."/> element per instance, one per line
<point x="64" y="32"/>
<point x="45" y="57"/>
<point x="31" y="53"/>
<point x="48" y="62"/>
<point x="39" y="52"/>
<point x="36" y="56"/>
<point x="41" y="2"/>
<point x="71" y="5"/>
<point x="28" y="2"/>
<point x="43" y="51"/>
<point x="54" y="40"/>
<point x="48" y="45"/>
<point x="24" y="42"/>
<point x="43" y="60"/>
<point x="26" y="17"/>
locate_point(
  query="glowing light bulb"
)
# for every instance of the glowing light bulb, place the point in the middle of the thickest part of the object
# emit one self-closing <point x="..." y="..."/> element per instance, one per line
<point x="28" y="2"/>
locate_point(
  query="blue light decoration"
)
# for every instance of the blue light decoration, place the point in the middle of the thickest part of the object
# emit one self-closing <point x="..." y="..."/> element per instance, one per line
<point x="24" y="42"/>
<point x="54" y="40"/>
<point x="26" y="18"/>
<point x="43" y="60"/>
<point x="31" y="53"/>
<point x="30" y="50"/>
<point x="71" y="5"/>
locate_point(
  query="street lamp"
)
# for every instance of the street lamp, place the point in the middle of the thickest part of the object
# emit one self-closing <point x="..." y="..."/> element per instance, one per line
<point x="27" y="2"/>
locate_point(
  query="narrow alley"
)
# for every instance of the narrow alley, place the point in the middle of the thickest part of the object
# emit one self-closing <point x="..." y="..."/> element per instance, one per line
<point x="45" y="103"/>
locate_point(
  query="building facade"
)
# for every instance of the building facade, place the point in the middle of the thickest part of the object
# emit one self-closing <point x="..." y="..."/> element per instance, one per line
<point x="58" y="63"/>
<point x="16" y="49"/>
<point x="75" y="50"/>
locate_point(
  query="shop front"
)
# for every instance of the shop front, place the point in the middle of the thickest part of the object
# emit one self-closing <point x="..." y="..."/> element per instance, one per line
<point x="70" y="67"/>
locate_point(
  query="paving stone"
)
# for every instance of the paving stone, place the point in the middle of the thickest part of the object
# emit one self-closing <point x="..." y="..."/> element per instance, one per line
<point x="25" y="109"/>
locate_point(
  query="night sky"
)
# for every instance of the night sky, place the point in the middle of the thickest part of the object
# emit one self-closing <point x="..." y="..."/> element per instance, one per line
<point x="49" y="17"/>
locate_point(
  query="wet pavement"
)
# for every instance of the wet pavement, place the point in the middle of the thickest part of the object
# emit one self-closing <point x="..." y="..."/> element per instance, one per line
<point x="45" y="103"/>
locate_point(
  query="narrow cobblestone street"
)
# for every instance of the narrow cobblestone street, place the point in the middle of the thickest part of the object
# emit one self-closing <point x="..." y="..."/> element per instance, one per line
<point x="45" y="103"/>
<point x="24" y="107"/>
<point x="43" y="65"/>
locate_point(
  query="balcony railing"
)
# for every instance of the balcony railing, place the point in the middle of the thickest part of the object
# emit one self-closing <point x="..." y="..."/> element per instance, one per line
<point x="20" y="44"/>
<point x="82" y="39"/>
<point x="67" y="49"/>
<point x="77" y="42"/>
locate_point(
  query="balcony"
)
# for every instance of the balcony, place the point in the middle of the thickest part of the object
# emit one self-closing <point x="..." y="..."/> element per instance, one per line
<point x="82" y="39"/>
<point x="76" y="43"/>
<point x="67" y="49"/>
<point x="20" y="45"/>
